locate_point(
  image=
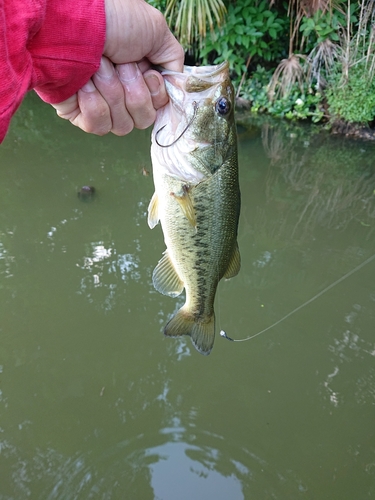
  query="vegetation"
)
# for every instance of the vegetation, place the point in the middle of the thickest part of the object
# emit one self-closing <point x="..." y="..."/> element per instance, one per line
<point x="310" y="59"/>
<point x="191" y="17"/>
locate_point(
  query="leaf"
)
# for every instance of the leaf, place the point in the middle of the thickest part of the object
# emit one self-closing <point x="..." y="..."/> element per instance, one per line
<point x="246" y="42"/>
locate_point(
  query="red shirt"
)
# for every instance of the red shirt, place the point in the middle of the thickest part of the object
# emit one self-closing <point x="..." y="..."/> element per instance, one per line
<point x="52" y="46"/>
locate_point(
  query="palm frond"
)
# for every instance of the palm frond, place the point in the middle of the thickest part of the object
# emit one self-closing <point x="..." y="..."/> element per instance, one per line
<point x="287" y="73"/>
<point x="322" y="60"/>
<point x="189" y="18"/>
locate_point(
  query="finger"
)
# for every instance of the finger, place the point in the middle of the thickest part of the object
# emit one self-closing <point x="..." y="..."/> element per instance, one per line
<point x="95" y="116"/>
<point x="156" y="86"/>
<point x="144" y="65"/>
<point x="69" y="109"/>
<point x="137" y="95"/>
<point x="107" y="82"/>
<point x="87" y="110"/>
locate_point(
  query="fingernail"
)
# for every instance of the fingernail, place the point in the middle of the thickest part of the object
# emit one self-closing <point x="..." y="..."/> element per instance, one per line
<point x="106" y="69"/>
<point x="88" y="87"/>
<point x="128" y="72"/>
<point x="153" y="84"/>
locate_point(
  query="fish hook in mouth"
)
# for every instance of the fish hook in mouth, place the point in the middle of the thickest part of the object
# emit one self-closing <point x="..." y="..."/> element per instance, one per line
<point x="195" y="104"/>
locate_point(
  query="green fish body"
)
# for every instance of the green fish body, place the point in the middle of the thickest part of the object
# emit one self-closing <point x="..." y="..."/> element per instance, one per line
<point x="197" y="196"/>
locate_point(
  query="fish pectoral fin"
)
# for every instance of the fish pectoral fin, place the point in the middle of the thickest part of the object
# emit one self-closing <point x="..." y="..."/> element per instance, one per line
<point x="234" y="264"/>
<point x="153" y="211"/>
<point x="202" y="332"/>
<point x="165" y="277"/>
<point x="186" y="205"/>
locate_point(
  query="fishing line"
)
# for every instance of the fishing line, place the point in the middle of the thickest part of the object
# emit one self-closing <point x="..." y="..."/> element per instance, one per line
<point x="195" y="104"/>
<point x="224" y="335"/>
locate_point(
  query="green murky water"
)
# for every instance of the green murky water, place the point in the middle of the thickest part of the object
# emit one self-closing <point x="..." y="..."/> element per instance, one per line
<point x="96" y="404"/>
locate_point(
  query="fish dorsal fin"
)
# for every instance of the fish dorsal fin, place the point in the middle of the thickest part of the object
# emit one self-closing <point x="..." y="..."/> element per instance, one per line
<point x="184" y="200"/>
<point x="234" y="264"/>
<point x="165" y="278"/>
<point x="153" y="211"/>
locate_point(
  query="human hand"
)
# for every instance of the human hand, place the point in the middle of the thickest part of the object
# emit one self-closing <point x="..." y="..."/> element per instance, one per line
<point x="125" y="92"/>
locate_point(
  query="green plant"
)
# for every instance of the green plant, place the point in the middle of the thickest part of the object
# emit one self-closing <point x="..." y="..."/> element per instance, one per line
<point x="287" y="74"/>
<point x="189" y="18"/>
<point x="353" y="99"/>
<point x="322" y="61"/>
<point x="299" y="104"/>
<point x="351" y="83"/>
<point x="251" y="30"/>
<point x="322" y="26"/>
<point x="158" y="4"/>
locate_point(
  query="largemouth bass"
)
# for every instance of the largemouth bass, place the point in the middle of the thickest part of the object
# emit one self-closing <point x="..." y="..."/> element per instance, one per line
<point x="197" y="196"/>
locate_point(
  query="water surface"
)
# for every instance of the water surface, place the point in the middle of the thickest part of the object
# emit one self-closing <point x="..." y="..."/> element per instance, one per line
<point x="96" y="404"/>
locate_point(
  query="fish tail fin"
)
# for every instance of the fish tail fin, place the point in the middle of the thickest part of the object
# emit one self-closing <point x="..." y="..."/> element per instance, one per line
<point x="202" y="333"/>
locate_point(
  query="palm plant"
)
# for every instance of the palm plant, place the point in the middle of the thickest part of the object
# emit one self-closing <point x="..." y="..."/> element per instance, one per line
<point x="322" y="61"/>
<point x="359" y="45"/>
<point x="190" y="18"/>
<point x="291" y="70"/>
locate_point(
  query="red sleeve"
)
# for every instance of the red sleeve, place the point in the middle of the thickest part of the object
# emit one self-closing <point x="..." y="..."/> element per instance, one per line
<point x="52" y="46"/>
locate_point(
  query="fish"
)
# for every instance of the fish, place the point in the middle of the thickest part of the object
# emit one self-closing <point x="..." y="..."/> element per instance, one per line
<point x="197" y="196"/>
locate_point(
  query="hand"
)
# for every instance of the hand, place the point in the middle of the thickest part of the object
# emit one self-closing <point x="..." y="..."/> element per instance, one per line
<point x="125" y="93"/>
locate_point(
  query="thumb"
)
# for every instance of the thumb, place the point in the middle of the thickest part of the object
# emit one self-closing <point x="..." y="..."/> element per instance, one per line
<point x="169" y="53"/>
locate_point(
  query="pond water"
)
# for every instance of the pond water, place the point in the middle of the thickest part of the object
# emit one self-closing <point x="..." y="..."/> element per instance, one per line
<point x="96" y="404"/>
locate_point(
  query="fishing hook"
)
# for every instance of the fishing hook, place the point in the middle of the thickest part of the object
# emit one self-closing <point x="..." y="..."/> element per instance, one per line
<point x="195" y="104"/>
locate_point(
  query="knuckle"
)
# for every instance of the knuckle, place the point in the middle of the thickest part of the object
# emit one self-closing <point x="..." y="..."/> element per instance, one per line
<point x="94" y="125"/>
<point x="140" y="107"/>
<point x="150" y="119"/>
<point x="160" y="100"/>
<point x="145" y="121"/>
<point x="143" y="126"/>
<point x="123" y="130"/>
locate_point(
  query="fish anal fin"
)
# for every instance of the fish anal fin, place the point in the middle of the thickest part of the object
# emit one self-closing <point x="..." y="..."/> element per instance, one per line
<point x="184" y="200"/>
<point x="202" y="332"/>
<point x="153" y="211"/>
<point x="165" y="277"/>
<point x="234" y="264"/>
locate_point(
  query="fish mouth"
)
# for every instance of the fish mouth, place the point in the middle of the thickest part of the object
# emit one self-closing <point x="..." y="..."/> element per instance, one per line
<point x="198" y="81"/>
<point x="188" y="92"/>
<point x="204" y="72"/>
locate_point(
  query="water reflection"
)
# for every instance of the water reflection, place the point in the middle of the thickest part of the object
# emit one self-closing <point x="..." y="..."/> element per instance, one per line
<point x="175" y="463"/>
<point x="104" y="268"/>
<point x="6" y="260"/>
<point x="333" y="190"/>
<point x="349" y="352"/>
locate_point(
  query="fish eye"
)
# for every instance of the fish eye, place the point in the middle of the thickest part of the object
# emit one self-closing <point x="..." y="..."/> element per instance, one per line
<point x="223" y="106"/>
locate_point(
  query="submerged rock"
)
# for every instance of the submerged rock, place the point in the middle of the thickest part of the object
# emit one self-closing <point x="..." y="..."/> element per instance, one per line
<point x="86" y="193"/>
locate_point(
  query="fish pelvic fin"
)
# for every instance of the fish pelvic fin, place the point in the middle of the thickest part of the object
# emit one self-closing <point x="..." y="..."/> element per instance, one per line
<point x="165" y="277"/>
<point x="234" y="264"/>
<point x="153" y="211"/>
<point x="202" y="333"/>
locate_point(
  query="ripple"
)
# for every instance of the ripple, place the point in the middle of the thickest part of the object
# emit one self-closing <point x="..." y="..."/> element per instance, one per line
<point x="171" y="468"/>
<point x="175" y="463"/>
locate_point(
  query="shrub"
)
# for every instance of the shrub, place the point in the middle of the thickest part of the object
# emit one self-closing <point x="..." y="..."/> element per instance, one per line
<point x="251" y="30"/>
<point x="354" y="98"/>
